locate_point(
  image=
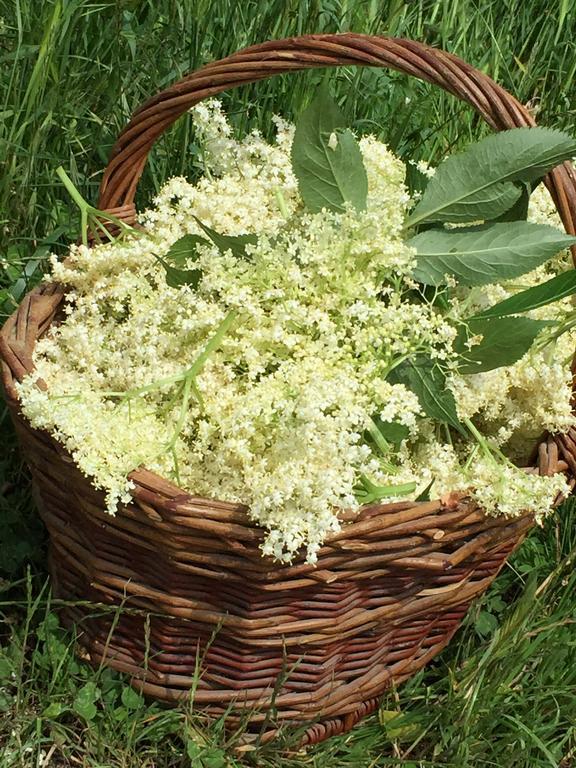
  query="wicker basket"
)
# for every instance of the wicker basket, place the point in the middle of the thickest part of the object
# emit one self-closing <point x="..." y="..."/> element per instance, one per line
<point x="187" y="588"/>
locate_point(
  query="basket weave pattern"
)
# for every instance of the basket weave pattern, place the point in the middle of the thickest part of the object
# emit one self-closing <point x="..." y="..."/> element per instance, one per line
<point x="174" y="587"/>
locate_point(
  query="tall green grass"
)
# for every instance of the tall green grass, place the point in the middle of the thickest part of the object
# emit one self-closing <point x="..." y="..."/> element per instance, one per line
<point x="71" y="73"/>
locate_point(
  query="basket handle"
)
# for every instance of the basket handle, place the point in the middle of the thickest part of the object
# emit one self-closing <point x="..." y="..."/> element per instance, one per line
<point x="496" y="106"/>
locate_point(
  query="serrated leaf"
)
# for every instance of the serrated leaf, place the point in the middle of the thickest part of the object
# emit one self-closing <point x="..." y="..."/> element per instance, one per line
<point x="426" y="379"/>
<point x="179" y="253"/>
<point x="235" y="243"/>
<point x="416" y="181"/>
<point x="485" y="254"/>
<point x="504" y="341"/>
<point x="519" y="211"/>
<point x="557" y="288"/>
<point x="185" y="248"/>
<point x="477" y="184"/>
<point x="326" y="159"/>
<point x="175" y="277"/>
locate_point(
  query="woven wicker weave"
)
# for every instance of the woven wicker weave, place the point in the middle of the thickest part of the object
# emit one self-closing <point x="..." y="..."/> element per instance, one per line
<point x="320" y="643"/>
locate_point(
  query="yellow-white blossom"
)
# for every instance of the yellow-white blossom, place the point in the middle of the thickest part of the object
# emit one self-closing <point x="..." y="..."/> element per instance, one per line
<point x="278" y="413"/>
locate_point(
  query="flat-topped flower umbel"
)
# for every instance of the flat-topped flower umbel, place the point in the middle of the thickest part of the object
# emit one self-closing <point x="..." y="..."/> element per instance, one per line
<point x="273" y="340"/>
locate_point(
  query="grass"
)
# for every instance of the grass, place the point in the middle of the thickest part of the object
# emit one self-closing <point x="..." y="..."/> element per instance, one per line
<point x="71" y="72"/>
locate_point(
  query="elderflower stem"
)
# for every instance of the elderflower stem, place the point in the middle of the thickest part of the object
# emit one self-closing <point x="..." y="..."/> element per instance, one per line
<point x="190" y="385"/>
<point x="183" y="411"/>
<point x="547" y="339"/>
<point x="378" y="438"/>
<point x="213" y="344"/>
<point x="137" y="391"/>
<point x="89" y="214"/>
<point x="369" y="492"/>
<point x="182" y="376"/>
<point x="489" y="451"/>
<point x="281" y="203"/>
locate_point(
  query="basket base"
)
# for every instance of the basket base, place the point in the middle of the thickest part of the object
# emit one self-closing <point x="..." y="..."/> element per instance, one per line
<point x="321" y="691"/>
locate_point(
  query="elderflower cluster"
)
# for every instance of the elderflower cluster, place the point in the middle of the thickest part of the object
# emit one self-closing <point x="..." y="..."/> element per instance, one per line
<point x="258" y="384"/>
<point x="515" y="404"/>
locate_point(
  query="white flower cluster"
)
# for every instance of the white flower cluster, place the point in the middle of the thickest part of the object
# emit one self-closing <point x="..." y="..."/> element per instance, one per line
<point x="276" y="410"/>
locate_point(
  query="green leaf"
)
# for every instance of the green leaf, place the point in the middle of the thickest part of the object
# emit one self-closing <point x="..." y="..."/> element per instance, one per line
<point x="131" y="698"/>
<point x="519" y="211"/>
<point x="85" y="701"/>
<point x="477" y="183"/>
<point x="399" y="727"/>
<point x="215" y="758"/>
<point x="6" y="669"/>
<point x="486" y="254"/>
<point x="552" y="290"/>
<point x="179" y="253"/>
<point x="326" y="159"/>
<point x="48" y="627"/>
<point x="193" y="751"/>
<point x="504" y="341"/>
<point x="486" y="623"/>
<point x="426" y="379"/>
<point x="53" y="710"/>
<point x="178" y="277"/>
<point x="6" y="701"/>
<point x="392" y="431"/>
<point x="416" y="181"/>
<point x="185" y="248"/>
<point x="235" y="243"/>
<point x="424" y="494"/>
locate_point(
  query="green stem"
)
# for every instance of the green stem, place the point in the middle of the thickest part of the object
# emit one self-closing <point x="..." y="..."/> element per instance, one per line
<point x="281" y="203"/>
<point x="176" y="465"/>
<point x="137" y="391"/>
<point x="190" y="372"/>
<point x="369" y="492"/>
<point x="182" y="416"/>
<point x="395" y="363"/>
<point x="489" y="451"/>
<point x="213" y="344"/>
<point x="379" y="439"/>
<point x="90" y="215"/>
<point x="71" y="189"/>
<point x="549" y="338"/>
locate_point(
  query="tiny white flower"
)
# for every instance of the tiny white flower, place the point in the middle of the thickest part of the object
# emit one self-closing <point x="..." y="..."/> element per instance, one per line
<point x="333" y="141"/>
<point x="277" y="416"/>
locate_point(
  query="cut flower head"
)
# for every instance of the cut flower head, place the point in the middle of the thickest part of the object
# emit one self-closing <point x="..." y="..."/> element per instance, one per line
<point x="286" y="334"/>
